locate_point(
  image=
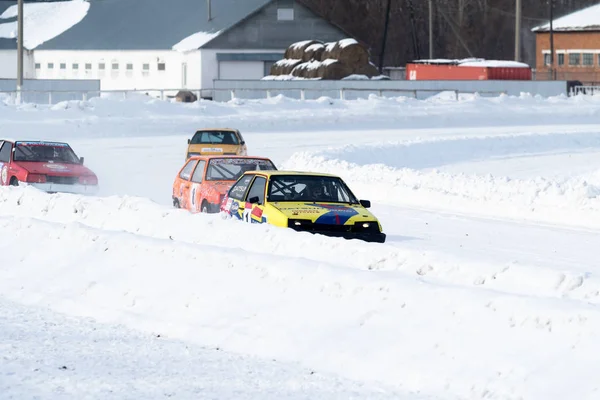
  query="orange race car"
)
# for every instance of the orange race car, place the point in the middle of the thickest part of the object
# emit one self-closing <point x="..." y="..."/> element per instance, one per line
<point x="203" y="181"/>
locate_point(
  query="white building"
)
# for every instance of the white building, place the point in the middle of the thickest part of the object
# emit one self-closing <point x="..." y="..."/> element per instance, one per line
<point x="156" y="44"/>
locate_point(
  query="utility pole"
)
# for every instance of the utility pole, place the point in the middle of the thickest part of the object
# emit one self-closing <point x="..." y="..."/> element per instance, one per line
<point x="385" y="30"/>
<point x="518" y="31"/>
<point x="552" y="76"/>
<point x="19" y="51"/>
<point x="430" y="29"/>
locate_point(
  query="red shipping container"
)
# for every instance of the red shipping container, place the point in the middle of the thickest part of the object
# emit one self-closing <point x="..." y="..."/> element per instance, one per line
<point x="424" y="72"/>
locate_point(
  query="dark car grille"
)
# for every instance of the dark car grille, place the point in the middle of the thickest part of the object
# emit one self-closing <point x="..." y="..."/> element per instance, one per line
<point x="309" y="226"/>
<point x="63" y="180"/>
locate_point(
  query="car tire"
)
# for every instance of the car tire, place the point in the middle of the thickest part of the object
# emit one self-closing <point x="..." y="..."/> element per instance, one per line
<point x="176" y="203"/>
<point x="14" y="181"/>
<point x="205" y="207"/>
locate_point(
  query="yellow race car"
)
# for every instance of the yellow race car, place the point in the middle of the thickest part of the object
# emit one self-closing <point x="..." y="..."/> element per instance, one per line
<point x="303" y="201"/>
<point x="217" y="141"/>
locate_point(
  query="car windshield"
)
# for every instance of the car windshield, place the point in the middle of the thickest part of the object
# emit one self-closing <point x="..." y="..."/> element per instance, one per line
<point x="230" y="169"/>
<point x="309" y="188"/>
<point x="215" y="137"/>
<point x="45" y="152"/>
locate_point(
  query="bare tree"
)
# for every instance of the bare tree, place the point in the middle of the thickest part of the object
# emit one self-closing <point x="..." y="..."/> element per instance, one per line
<point x="462" y="28"/>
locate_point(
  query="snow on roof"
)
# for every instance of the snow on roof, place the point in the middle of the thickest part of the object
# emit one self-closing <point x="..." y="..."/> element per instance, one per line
<point x="43" y="21"/>
<point x="195" y="41"/>
<point x="445" y="61"/>
<point x="474" y="62"/>
<point x="585" y="19"/>
<point x="494" y="63"/>
<point x="157" y="25"/>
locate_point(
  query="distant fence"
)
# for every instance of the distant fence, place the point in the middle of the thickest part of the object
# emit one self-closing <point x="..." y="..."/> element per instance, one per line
<point x="305" y="89"/>
<point x="37" y="90"/>
<point x="225" y="90"/>
<point x="591" y="90"/>
<point x="56" y="96"/>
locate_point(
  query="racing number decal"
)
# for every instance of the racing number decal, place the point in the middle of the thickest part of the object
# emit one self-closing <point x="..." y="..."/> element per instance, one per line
<point x="246" y="217"/>
<point x="193" y="196"/>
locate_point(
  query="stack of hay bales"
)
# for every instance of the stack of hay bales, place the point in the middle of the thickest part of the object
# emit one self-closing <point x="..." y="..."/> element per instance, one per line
<point x="312" y="59"/>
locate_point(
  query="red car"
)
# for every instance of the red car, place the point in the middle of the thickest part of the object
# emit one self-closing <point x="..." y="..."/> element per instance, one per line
<point x="48" y="166"/>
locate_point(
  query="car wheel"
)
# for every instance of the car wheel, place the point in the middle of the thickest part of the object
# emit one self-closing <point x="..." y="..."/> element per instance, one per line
<point x="14" y="181"/>
<point x="176" y="203"/>
<point x="205" y="207"/>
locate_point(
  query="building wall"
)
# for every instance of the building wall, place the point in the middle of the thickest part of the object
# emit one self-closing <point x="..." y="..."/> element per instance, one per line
<point x="8" y="64"/>
<point x="122" y="70"/>
<point x="266" y="31"/>
<point x="584" y="44"/>
<point x="211" y="68"/>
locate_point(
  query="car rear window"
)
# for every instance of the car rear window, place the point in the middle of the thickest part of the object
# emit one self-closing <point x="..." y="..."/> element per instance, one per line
<point x="215" y="137"/>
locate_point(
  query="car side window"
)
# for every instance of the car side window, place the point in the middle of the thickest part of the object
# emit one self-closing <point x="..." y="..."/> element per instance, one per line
<point x="258" y="190"/>
<point x="186" y="172"/>
<point x="238" y="190"/>
<point x="5" y="152"/>
<point x="199" y="172"/>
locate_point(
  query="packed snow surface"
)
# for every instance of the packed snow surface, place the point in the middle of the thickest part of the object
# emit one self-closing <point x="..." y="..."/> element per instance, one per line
<point x="487" y="287"/>
<point x="43" y="21"/>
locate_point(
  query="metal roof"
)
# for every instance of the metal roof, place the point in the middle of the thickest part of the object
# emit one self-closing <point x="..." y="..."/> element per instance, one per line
<point x="586" y="19"/>
<point x="147" y="24"/>
<point x="7" y="44"/>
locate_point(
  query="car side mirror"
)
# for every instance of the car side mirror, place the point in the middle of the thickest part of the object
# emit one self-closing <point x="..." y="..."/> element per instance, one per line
<point x="365" y="203"/>
<point x="253" y="200"/>
<point x="81" y="159"/>
<point x="189" y="141"/>
<point x="243" y="142"/>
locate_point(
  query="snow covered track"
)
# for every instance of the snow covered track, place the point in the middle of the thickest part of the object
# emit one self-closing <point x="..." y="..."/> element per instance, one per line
<point x="138" y="216"/>
<point x="47" y="355"/>
<point x="401" y="174"/>
<point x="278" y="307"/>
<point x="487" y="287"/>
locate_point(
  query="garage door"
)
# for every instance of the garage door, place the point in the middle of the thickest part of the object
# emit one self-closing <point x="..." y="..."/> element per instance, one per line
<point x="241" y="69"/>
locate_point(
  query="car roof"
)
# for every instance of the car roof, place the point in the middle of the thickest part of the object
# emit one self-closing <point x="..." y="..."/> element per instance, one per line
<point x="287" y="173"/>
<point x="213" y="156"/>
<point x="216" y="129"/>
<point x="33" y="141"/>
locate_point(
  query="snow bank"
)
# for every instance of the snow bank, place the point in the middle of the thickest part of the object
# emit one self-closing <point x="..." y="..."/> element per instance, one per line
<point x="44" y="21"/>
<point x="145" y="218"/>
<point x="389" y="173"/>
<point x="144" y="115"/>
<point x="195" y="41"/>
<point x="358" y="323"/>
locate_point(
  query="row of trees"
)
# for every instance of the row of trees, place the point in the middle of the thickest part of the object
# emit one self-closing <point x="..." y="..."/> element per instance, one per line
<point x="461" y="28"/>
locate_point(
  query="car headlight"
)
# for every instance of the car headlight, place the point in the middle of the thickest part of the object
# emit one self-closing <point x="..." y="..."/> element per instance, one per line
<point x="366" y="226"/>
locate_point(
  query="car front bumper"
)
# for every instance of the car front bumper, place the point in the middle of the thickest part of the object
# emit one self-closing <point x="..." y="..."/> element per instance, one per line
<point x="374" y="237"/>
<point x="64" y="188"/>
